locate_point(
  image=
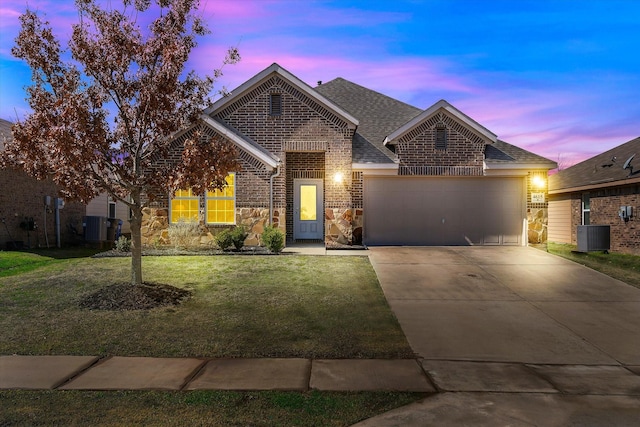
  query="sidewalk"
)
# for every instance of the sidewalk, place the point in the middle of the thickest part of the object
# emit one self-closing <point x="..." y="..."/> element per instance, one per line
<point x="292" y="374"/>
<point x="146" y="373"/>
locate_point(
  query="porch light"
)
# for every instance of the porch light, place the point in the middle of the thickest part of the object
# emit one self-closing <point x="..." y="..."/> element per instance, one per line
<point x="338" y="179"/>
<point x="539" y="182"/>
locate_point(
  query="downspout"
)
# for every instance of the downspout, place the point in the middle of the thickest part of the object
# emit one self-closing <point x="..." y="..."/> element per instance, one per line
<point x="271" y="178"/>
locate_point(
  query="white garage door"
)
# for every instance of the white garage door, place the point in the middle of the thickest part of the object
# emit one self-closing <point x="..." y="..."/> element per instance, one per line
<point x="443" y="211"/>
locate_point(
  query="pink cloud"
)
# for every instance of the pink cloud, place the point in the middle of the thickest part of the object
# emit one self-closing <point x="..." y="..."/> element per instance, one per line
<point x="234" y="9"/>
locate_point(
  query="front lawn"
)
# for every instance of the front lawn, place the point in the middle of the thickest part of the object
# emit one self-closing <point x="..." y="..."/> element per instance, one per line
<point x="242" y="306"/>
<point x="14" y="262"/>
<point x="620" y="266"/>
<point x="197" y="408"/>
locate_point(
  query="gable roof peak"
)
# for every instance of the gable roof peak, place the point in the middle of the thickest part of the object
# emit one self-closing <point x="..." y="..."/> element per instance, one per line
<point x="442" y="104"/>
<point x="303" y="87"/>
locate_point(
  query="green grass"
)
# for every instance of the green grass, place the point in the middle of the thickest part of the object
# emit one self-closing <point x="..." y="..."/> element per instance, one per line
<point x="198" y="408"/>
<point x="620" y="266"/>
<point x="13" y="263"/>
<point x="242" y="306"/>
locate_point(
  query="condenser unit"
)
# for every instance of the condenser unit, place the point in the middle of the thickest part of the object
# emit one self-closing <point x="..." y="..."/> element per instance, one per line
<point x="95" y="228"/>
<point x="594" y="238"/>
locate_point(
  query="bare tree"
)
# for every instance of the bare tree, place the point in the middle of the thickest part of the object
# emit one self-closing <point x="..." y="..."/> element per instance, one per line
<point x="103" y="120"/>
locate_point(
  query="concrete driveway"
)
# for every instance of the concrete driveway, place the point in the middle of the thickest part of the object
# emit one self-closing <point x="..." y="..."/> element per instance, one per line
<point x="513" y="336"/>
<point x="508" y="304"/>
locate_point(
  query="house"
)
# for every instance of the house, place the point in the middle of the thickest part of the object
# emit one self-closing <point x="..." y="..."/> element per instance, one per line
<point x="594" y="192"/>
<point x="103" y="205"/>
<point x="345" y="165"/>
<point x="27" y="208"/>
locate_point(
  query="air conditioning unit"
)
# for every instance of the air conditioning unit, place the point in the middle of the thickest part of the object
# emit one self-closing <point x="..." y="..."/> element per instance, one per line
<point x="594" y="238"/>
<point x="95" y="228"/>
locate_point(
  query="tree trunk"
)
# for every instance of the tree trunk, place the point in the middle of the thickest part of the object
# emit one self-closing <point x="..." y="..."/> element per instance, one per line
<point x="136" y="242"/>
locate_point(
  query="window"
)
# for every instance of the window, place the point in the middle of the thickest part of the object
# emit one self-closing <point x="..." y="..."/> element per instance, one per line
<point x="111" y="208"/>
<point x="586" y="209"/>
<point x="184" y="206"/>
<point x="275" y="104"/>
<point x="221" y="204"/>
<point x="441" y="137"/>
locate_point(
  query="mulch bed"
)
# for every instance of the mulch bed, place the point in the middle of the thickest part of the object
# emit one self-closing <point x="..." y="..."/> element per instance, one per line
<point x="125" y="296"/>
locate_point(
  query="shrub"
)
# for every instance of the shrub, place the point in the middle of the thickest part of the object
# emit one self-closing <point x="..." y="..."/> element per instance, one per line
<point x="223" y="239"/>
<point x="184" y="234"/>
<point x="123" y="244"/>
<point x="238" y="236"/>
<point x="273" y="239"/>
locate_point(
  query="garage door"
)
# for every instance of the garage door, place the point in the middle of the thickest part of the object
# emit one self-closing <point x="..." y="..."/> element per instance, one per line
<point x="443" y="211"/>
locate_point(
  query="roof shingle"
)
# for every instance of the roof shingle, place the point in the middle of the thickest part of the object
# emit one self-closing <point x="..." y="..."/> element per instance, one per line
<point x="378" y="114"/>
<point x="5" y="132"/>
<point x="601" y="170"/>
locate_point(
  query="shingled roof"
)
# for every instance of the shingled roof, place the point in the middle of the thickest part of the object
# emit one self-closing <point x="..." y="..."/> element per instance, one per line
<point x="5" y="132"/>
<point x="379" y="115"/>
<point x="603" y="170"/>
<point x="501" y="152"/>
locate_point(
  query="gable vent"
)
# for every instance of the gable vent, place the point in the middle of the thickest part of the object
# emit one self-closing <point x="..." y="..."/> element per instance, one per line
<point x="441" y="137"/>
<point x="275" y="104"/>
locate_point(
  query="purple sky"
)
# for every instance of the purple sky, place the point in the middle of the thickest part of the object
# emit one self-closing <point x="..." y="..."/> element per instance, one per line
<point x="560" y="78"/>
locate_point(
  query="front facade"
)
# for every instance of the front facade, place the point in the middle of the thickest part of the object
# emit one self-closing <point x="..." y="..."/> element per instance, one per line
<point x="345" y="165"/>
<point x="602" y="190"/>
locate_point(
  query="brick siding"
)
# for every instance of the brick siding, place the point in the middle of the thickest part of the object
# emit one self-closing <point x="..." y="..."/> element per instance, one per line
<point x="23" y="197"/>
<point x="306" y="137"/>
<point x="605" y="205"/>
<point x="464" y="153"/>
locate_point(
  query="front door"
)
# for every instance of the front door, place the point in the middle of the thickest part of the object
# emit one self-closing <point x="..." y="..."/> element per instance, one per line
<point x="308" y="211"/>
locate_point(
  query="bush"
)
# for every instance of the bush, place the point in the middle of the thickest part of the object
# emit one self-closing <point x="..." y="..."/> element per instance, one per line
<point x="238" y="236"/>
<point x="224" y="239"/>
<point x="184" y="234"/>
<point x="273" y="239"/>
<point x="123" y="244"/>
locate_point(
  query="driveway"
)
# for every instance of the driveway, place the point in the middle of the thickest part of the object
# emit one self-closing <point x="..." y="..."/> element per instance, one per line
<point x="513" y="336"/>
<point x="508" y="304"/>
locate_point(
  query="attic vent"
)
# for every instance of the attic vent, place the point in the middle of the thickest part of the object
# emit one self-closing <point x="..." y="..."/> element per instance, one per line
<point x="275" y="104"/>
<point x="441" y="136"/>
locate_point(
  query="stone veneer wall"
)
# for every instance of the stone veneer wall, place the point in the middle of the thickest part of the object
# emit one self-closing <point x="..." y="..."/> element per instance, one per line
<point x="537" y="213"/>
<point x="343" y="226"/>
<point x="155" y="226"/>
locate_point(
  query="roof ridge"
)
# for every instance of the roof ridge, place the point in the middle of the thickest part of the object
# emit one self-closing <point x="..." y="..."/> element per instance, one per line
<point x="372" y="91"/>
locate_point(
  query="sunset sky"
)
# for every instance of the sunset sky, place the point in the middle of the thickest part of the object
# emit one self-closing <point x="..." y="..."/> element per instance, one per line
<point x="560" y="78"/>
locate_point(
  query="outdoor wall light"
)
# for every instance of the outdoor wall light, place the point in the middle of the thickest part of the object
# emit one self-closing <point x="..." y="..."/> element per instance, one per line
<point x="539" y="182"/>
<point x="338" y="178"/>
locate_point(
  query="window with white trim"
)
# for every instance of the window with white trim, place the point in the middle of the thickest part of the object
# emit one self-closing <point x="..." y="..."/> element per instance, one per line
<point x="184" y="206"/>
<point x="111" y="207"/>
<point x="586" y="209"/>
<point x="220" y="205"/>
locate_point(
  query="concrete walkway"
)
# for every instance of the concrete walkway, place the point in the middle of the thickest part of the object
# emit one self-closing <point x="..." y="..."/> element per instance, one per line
<point x="146" y="373"/>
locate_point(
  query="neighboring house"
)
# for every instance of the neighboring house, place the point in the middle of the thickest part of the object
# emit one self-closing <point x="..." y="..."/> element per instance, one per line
<point x="24" y="216"/>
<point x="104" y="205"/>
<point x="593" y="193"/>
<point x="343" y="164"/>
